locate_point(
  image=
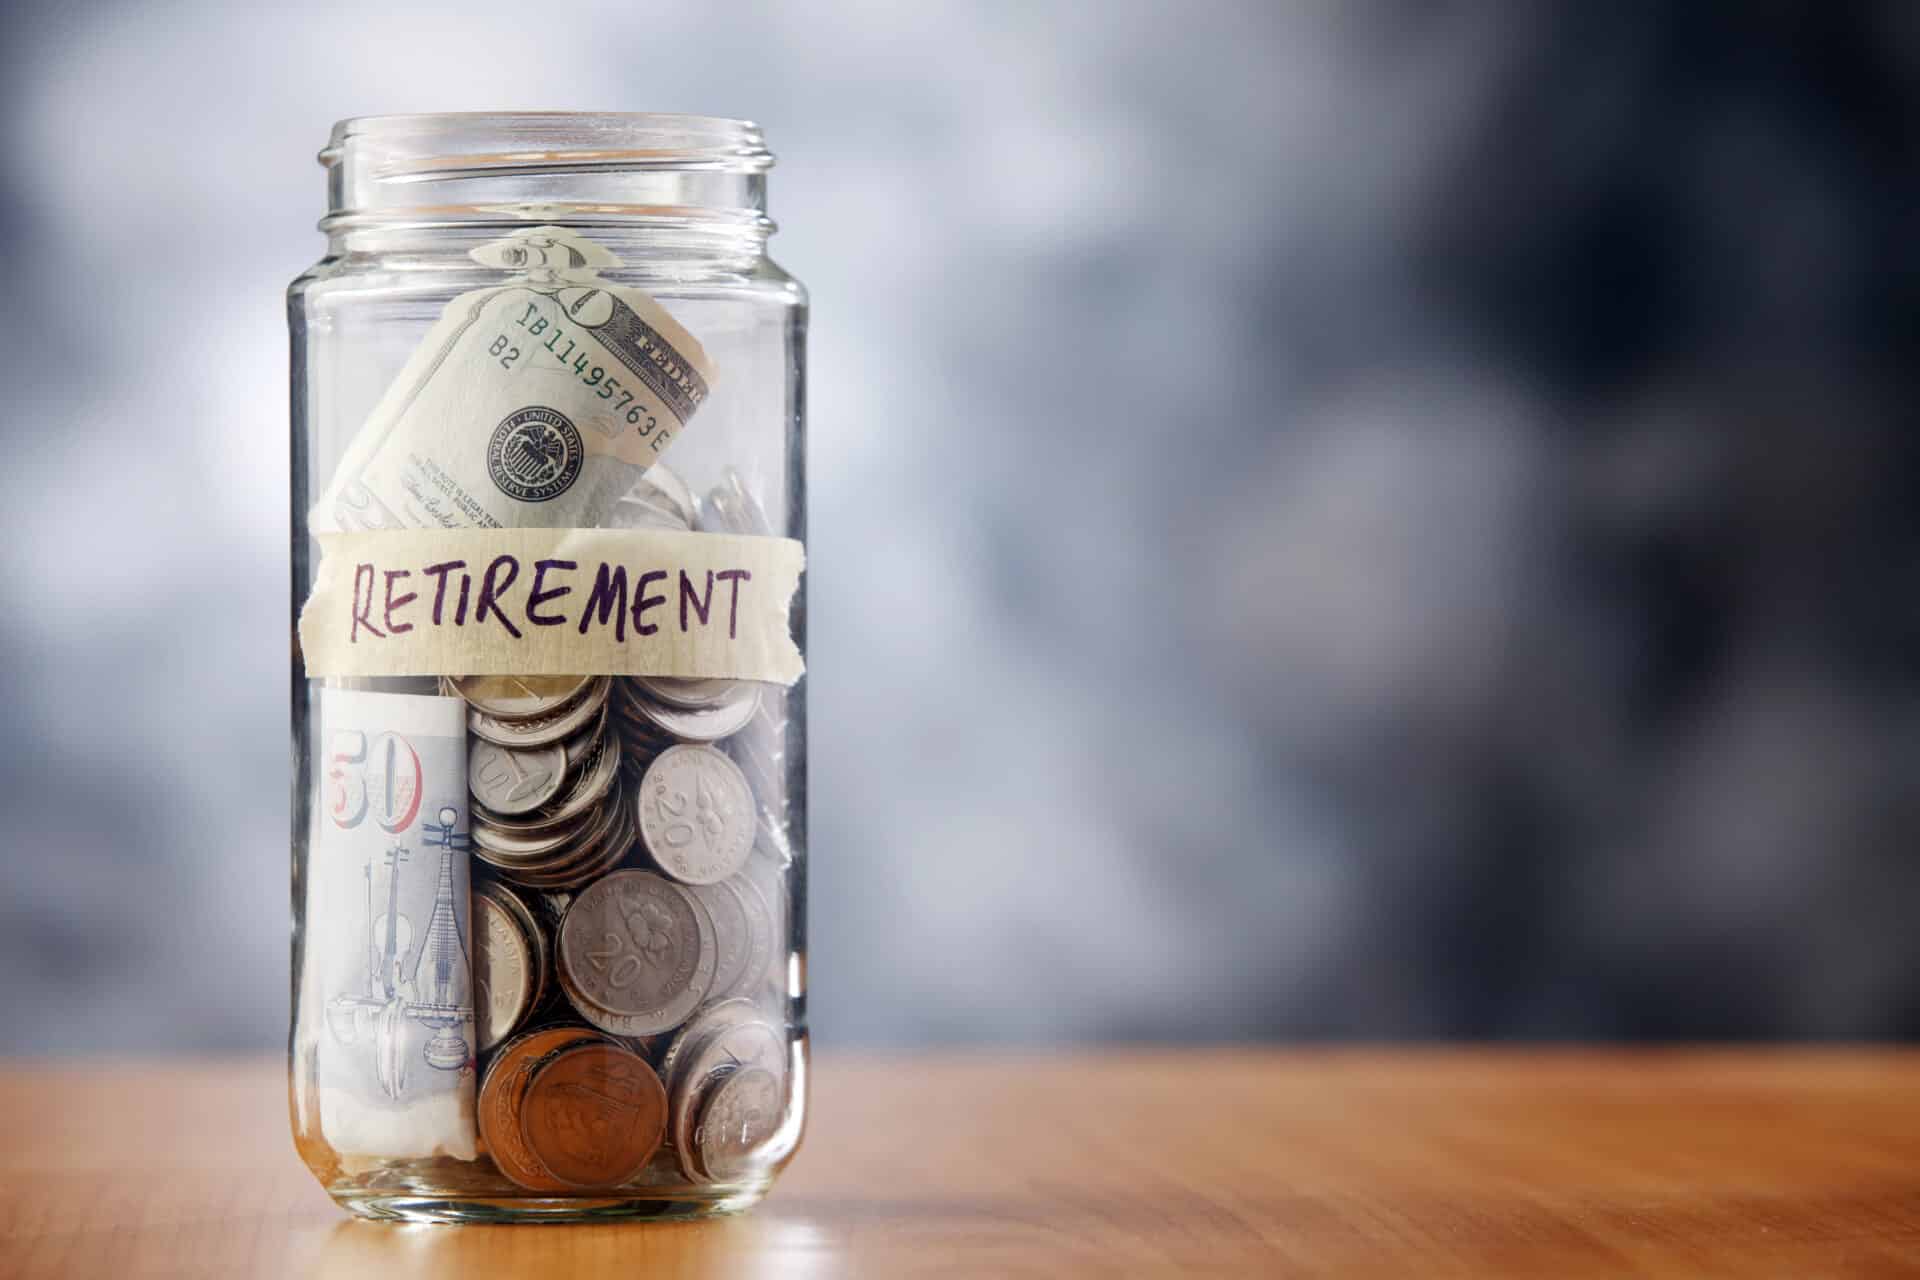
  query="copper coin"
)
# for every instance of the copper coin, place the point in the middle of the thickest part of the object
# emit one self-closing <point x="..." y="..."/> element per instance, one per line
<point x="594" y="1114"/>
<point x="501" y="1097"/>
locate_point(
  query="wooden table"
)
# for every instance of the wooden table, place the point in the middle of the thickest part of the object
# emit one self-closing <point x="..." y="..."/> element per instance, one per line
<point x="1245" y="1164"/>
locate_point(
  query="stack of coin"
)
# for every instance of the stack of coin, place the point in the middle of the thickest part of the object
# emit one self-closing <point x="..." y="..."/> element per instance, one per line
<point x="544" y="768"/>
<point x="634" y="843"/>
<point x="656" y="712"/>
<point x="509" y="963"/>
<point x="565" y="1109"/>
<point x="722" y="1040"/>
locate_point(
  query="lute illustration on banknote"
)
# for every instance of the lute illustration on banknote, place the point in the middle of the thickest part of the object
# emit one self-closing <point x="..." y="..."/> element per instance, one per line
<point x="389" y="924"/>
<point x="440" y="998"/>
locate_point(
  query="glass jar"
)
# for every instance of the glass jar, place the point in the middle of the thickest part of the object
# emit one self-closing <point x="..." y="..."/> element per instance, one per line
<point x="549" y="804"/>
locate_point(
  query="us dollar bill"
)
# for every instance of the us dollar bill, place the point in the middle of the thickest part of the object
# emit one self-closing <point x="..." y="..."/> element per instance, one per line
<point x="387" y="970"/>
<point x="534" y="404"/>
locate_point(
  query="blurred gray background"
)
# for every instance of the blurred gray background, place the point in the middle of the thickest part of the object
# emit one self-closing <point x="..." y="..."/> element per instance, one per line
<point x="1329" y="520"/>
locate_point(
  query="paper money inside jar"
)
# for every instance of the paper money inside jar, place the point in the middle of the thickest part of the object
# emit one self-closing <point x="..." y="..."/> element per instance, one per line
<point x="549" y="838"/>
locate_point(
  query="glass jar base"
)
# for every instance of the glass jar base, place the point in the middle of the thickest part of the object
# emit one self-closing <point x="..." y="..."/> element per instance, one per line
<point x="423" y="1208"/>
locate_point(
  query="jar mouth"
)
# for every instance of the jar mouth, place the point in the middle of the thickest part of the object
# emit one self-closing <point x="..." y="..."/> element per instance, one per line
<point x="706" y="174"/>
<point x="547" y="141"/>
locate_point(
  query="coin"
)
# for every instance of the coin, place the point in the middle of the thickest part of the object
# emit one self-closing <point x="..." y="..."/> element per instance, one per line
<point x="742" y="1112"/>
<point x="594" y="1114"/>
<point x="660" y="484"/>
<point x="761" y="759"/>
<point x="740" y="1040"/>
<point x="693" y="694"/>
<point x="732" y="923"/>
<point x="634" y="954"/>
<point x="702" y="1026"/>
<point x="543" y="728"/>
<point x="588" y="788"/>
<point x="498" y="1105"/>
<point x="697" y="814"/>
<point x="763" y="932"/>
<point x="518" y="697"/>
<point x="651" y="512"/>
<point x="511" y="782"/>
<point x="588" y="860"/>
<point x="506" y="960"/>
<point x="704" y="724"/>
<point x="504" y="848"/>
<point x="581" y="746"/>
<point x="732" y="508"/>
<point x="592" y="783"/>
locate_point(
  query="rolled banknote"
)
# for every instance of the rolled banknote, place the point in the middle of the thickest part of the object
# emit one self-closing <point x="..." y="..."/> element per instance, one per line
<point x="388" y="966"/>
<point x="534" y="404"/>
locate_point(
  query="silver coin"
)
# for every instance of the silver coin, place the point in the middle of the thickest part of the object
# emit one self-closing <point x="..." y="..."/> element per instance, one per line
<point x="597" y="825"/>
<point x="732" y="508"/>
<point x="635" y="954"/>
<point x="762" y="762"/>
<point x="705" y="724"/>
<point x="541" y="823"/>
<point x="634" y="513"/>
<point x="641" y="740"/>
<point x="581" y="746"/>
<point x="733" y="929"/>
<point x="688" y="693"/>
<point x="658" y="500"/>
<point x="697" y="815"/>
<point x="594" y="780"/>
<point x="769" y="877"/>
<point x="702" y="1026"/>
<point x="589" y="789"/>
<point x="518" y="697"/>
<point x="740" y="1042"/>
<point x="506" y="961"/>
<point x="742" y="1112"/>
<point x="587" y="861"/>
<point x="514" y="782"/>
<point x="505" y="848"/>
<point x="545" y="728"/>
<point x="762" y="935"/>
<point x="661" y="484"/>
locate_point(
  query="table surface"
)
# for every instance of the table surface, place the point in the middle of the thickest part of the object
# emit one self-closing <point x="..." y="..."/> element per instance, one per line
<point x="1243" y="1163"/>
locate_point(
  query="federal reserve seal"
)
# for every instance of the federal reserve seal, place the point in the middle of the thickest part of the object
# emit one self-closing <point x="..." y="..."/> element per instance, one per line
<point x="535" y="454"/>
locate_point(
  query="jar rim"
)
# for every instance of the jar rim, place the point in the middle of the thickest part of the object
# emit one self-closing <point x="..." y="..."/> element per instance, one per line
<point x="506" y="141"/>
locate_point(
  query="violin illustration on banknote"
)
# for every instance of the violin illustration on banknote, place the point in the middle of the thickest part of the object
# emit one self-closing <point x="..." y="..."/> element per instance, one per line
<point x="439" y="998"/>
